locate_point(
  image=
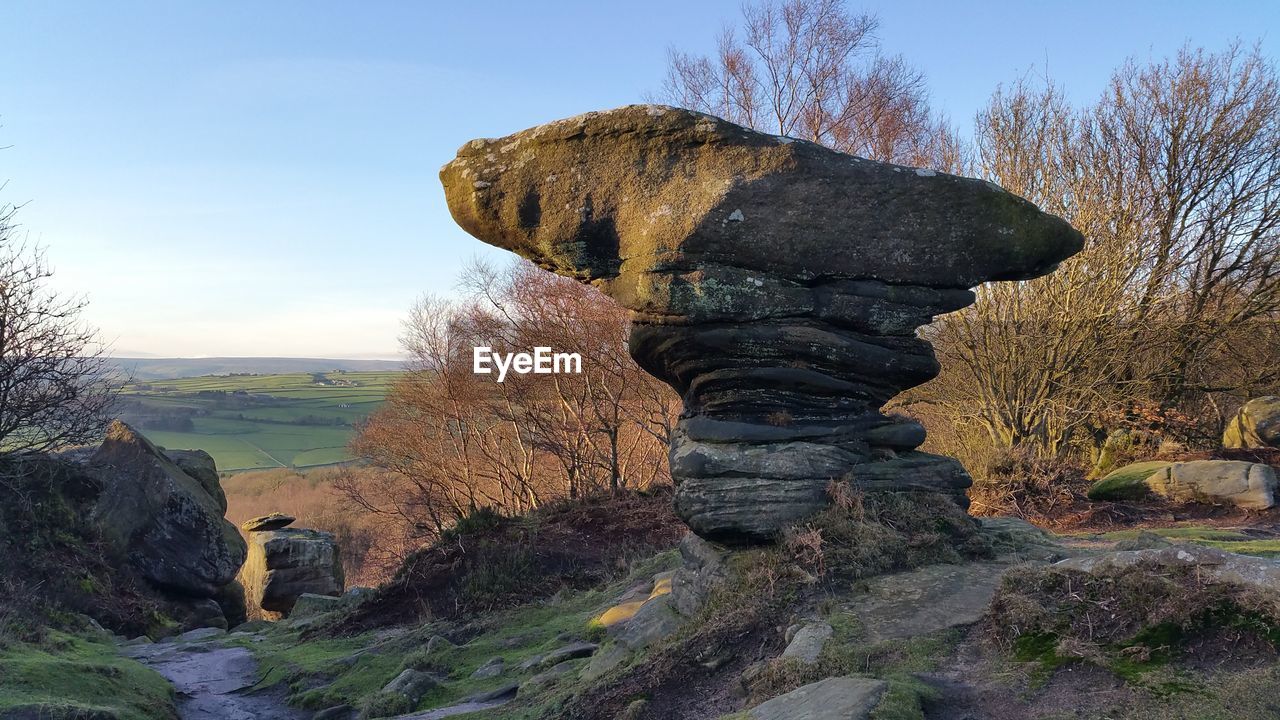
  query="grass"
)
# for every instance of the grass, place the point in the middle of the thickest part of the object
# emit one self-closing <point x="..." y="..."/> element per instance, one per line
<point x="1228" y="539"/>
<point x="72" y="676"/>
<point x="254" y="422"/>
<point x="322" y="672"/>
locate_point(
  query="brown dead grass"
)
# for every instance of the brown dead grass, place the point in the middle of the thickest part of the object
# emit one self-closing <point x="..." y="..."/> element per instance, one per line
<point x="490" y="561"/>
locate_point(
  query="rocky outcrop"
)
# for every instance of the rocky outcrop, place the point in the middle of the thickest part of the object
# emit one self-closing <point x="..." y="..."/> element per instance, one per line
<point x="168" y="523"/>
<point x="1255" y="425"/>
<point x="775" y="284"/>
<point x="285" y="563"/>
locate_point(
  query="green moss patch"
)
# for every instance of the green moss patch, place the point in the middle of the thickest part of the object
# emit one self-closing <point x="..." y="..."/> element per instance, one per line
<point x="70" y="676"/>
<point x="1126" y="483"/>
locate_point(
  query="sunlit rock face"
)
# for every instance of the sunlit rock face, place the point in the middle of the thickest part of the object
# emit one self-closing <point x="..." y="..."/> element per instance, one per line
<point x="774" y="283"/>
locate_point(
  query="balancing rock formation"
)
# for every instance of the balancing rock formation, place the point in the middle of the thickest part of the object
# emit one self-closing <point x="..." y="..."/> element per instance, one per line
<point x="774" y="283"/>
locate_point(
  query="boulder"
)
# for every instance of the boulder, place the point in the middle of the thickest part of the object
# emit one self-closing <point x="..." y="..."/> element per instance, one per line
<point x="837" y="698"/>
<point x="1255" y="425"/>
<point x="1247" y="485"/>
<point x="170" y="527"/>
<point x="807" y="642"/>
<point x="311" y="604"/>
<point x="411" y="684"/>
<point x="776" y="284"/>
<point x="284" y="564"/>
<point x="491" y="669"/>
<point x="270" y="521"/>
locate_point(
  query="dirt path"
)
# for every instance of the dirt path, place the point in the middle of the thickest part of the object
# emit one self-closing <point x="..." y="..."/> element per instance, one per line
<point x="212" y="681"/>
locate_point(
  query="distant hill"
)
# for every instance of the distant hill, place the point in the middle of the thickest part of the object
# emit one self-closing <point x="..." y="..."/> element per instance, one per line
<point x="148" y="368"/>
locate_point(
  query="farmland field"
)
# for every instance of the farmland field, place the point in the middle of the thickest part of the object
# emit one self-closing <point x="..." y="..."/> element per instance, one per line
<point x="251" y="422"/>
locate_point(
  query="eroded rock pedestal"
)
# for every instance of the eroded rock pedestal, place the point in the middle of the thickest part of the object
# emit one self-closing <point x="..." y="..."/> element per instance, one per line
<point x="774" y="283"/>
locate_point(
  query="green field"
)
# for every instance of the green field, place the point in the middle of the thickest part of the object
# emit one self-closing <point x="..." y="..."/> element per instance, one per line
<point x="251" y="422"/>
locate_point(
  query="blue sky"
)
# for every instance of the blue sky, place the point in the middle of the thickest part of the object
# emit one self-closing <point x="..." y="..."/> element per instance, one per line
<point x="259" y="178"/>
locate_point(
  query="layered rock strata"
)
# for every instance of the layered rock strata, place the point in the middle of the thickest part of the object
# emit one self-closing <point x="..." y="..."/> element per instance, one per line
<point x="774" y="283"/>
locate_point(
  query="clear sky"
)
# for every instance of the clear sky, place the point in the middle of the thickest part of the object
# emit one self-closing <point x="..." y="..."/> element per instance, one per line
<point x="259" y="178"/>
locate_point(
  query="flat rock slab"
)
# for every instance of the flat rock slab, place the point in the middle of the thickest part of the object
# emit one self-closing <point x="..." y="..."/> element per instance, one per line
<point x="927" y="600"/>
<point x="839" y="698"/>
<point x="210" y="682"/>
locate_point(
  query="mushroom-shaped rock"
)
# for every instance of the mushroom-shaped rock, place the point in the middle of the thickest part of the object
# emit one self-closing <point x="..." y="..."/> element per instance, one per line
<point x="774" y="283"/>
<point x="270" y="521"/>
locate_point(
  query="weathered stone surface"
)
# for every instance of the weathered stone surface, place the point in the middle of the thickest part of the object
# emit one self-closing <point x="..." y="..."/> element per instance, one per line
<point x="775" y="284"/>
<point x="284" y="564"/>
<point x="807" y="642"/>
<point x="270" y="521"/>
<point x="572" y="651"/>
<point x="311" y="604"/>
<point x="838" y="698"/>
<point x="1243" y="484"/>
<point x="1212" y="564"/>
<point x="926" y="600"/>
<point x="200" y="465"/>
<point x="491" y="669"/>
<point x="1256" y="425"/>
<point x="412" y="684"/>
<point x="703" y="569"/>
<point x="171" y="527"/>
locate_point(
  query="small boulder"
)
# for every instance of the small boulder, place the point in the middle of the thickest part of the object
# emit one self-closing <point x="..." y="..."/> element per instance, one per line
<point x="837" y="698"/>
<point x="572" y="651"/>
<point x="270" y="521"/>
<point x="546" y="677"/>
<point x="1243" y="484"/>
<point x="412" y="684"/>
<point x="807" y="643"/>
<point x="491" y="669"/>
<point x="438" y="642"/>
<point x="1255" y="425"/>
<point x="311" y="604"/>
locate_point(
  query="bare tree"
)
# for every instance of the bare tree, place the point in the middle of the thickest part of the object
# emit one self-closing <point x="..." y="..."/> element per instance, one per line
<point x="55" y="384"/>
<point x="1172" y="307"/>
<point x="450" y="441"/>
<point x="813" y="70"/>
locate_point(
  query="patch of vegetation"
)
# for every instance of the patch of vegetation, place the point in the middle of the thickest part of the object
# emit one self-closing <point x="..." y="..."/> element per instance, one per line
<point x="65" y="675"/>
<point x="55" y="566"/>
<point x="849" y="653"/>
<point x="1128" y="620"/>
<point x="490" y="562"/>
<point x="866" y="534"/>
<point x="1126" y="483"/>
<point x="322" y="672"/>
